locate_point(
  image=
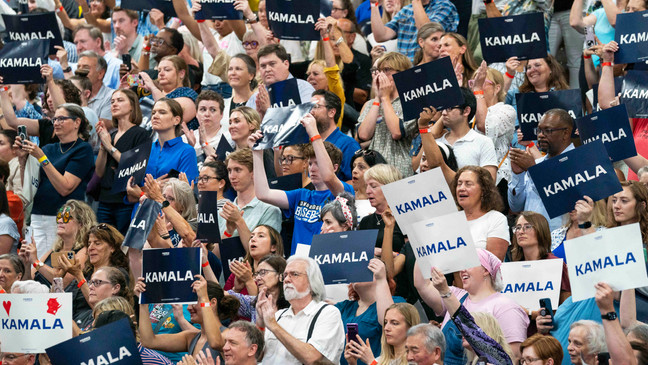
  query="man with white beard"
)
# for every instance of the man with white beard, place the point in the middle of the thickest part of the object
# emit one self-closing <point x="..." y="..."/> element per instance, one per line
<point x="309" y="330"/>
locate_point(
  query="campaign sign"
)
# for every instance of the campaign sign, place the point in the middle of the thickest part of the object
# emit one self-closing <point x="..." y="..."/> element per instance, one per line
<point x="113" y="343"/>
<point x="286" y="183"/>
<point x="208" y="231"/>
<point x="634" y="93"/>
<point x="33" y="322"/>
<point x="281" y="127"/>
<point x="444" y="242"/>
<point x="165" y="6"/>
<point x="419" y="197"/>
<point x="293" y="20"/>
<point x="508" y="36"/>
<point x="218" y="9"/>
<point x="168" y="274"/>
<point x="526" y="282"/>
<point x="430" y="84"/>
<point x="284" y="93"/>
<point x="231" y="249"/>
<point x="631" y="33"/>
<point x="132" y="163"/>
<point x="343" y="257"/>
<point x="142" y="223"/>
<point x="563" y="180"/>
<point x="20" y="62"/>
<point x="33" y="26"/>
<point x="532" y="106"/>
<point x="223" y="149"/>
<point x="599" y="257"/>
<point x="610" y="126"/>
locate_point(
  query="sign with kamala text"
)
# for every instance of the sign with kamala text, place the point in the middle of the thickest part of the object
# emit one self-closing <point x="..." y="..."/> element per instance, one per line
<point x="33" y="322"/>
<point x="28" y="27"/>
<point x="168" y="274"/>
<point x="563" y="180"/>
<point x="600" y="257"/>
<point x="282" y="127"/>
<point x="208" y="230"/>
<point x="132" y="163"/>
<point x="631" y="33"/>
<point x="343" y="257"/>
<point x="293" y="20"/>
<point x="520" y="35"/>
<point x="634" y="93"/>
<point x="526" y="282"/>
<point x="142" y="223"/>
<point x="284" y="93"/>
<point x="218" y="9"/>
<point x="231" y="249"/>
<point x="532" y="106"/>
<point x="610" y="126"/>
<point x="20" y="62"/>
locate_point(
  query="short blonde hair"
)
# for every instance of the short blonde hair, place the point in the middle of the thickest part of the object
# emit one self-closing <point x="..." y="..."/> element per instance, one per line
<point x="497" y="78"/>
<point x="184" y="196"/>
<point x="251" y="116"/>
<point x="394" y="60"/>
<point x="383" y="173"/>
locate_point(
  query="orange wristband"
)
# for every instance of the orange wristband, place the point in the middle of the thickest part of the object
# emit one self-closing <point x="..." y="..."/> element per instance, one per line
<point x="478" y="92"/>
<point x="315" y="138"/>
<point x="509" y="75"/>
<point x="606" y="64"/>
<point x="80" y="284"/>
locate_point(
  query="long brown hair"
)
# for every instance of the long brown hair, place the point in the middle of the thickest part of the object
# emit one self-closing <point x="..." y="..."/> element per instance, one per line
<point x="467" y="59"/>
<point x="180" y="65"/>
<point x="640" y="193"/>
<point x="133" y="100"/>
<point x="543" y="234"/>
<point x="556" y="81"/>
<point x="490" y="199"/>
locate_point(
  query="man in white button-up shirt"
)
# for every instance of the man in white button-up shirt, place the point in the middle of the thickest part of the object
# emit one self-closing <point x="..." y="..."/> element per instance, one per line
<point x="309" y="330"/>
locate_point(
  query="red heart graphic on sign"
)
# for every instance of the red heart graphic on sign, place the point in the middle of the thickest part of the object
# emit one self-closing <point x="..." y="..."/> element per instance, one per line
<point x="7" y="306"/>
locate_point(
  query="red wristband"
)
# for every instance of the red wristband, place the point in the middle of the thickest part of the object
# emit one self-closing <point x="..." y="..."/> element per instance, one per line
<point x="61" y="8"/>
<point x="424" y="131"/>
<point x="315" y="138"/>
<point x="226" y="234"/>
<point x="509" y="75"/>
<point x="205" y="264"/>
<point x="206" y="304"/>
<point x="2" y="291"/>
<point x="478" y="92"/>
<point x="5" y="88"/>
<point x="80" y="284"/>
<point x="200" y="20"/>
<point x="374" y="362"/>
<point x="587" y="56"/>
<point x="142" y="194"/>
<point x="147" y="48"/>
<point x="326" y="39"/>
<point x="606" y="64"/>
<point x="376" y="103"/>
<point x="531" y="144"/>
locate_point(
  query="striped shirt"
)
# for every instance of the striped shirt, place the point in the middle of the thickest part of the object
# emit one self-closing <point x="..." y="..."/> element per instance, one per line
<point x="150" y="357"/>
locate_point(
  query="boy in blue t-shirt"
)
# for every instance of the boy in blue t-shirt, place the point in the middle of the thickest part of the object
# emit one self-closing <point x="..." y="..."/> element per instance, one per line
<point x="323" y="161"/>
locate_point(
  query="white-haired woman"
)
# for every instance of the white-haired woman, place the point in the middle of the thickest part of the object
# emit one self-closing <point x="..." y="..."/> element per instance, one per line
<point x="586" y="340"/>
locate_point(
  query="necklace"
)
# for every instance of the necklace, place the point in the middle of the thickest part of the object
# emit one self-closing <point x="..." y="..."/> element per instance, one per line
<point x="61" y="148"/>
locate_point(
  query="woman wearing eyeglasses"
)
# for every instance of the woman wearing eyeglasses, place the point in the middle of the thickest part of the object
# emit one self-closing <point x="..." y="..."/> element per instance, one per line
<point x="539" y="349"/>
<point x="213" y="177"/>
<point x="290" y="160"/>
<point x="66" y="169"/>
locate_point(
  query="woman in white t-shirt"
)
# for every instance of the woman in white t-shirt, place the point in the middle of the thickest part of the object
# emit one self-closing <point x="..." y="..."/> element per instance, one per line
<point x="475" y="193"/>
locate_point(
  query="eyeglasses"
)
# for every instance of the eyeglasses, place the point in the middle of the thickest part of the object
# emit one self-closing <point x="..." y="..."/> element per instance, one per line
<point x="12" y="357"/>
<point x="471" y="83"/>
<point x="337" y="9"/>
<point x="157" y="41"/>
<point x="528" y="360"/>
<point x="61" y="119"/>
<point x="98" y="282"/>
<point x="522" y="228"/>
<point x="250" y="44"/>
<point x="262" y="272"/>
<point x="63" y="216"/>
<point x="291" y="274"/>
<point x="382" y="69"/>
<point x="205" y="179"/>
<point x="288" y="160"/>
<point x="548" y="131"/>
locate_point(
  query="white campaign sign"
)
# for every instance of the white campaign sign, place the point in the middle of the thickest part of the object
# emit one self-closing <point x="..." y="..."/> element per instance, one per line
<point x="30" y="323"/>
<point x="614" y="256"/>
<point x="526" y="282"/>
<point x="419" y="197"/>
<point x="444" y="242"/>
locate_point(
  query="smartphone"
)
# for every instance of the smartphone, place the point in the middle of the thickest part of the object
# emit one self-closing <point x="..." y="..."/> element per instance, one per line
<point x="56" y="255"/>
<point x="590" y="41"/>
<point x="173" y="173"/>
<point x="352" y="331"/>
<point x="546" y="309"/>
<point x="126" y="60"/>
<point x="22" y="133"/>
<point x="482" y="360"/>
<point x="603" y="358"/>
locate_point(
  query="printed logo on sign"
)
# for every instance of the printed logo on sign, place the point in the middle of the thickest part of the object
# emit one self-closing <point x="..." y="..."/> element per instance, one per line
<point x="434" y="248"/>
<point x="420" y="202"/>
<point x="20" y="62"/>
<point x="18" y="36"/>
<point x="131" y="170"/>
<point x="602" y="263"/>
<point x="528" y="287"/>
<point x="571" y="182"/>
<point x="108" y="357"/>
<point x="53" y="306"/>
<point x="607" y="137"/>
<point x="427" y="89"/>
<point x="511" y="39"/>
<point x="341" y="258"/>
<point x="163" y="276"/>
<point x="290" y="18"/>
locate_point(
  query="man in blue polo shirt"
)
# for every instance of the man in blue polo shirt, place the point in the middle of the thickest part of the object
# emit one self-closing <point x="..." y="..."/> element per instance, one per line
<point x="326" y="112"/>
<point x="303" y="204"/>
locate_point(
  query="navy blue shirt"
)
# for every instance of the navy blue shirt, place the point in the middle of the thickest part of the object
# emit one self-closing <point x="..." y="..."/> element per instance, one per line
<point x="349" y="147"/>
<point x="77" y="159"/>
<point x="175" y="154"/>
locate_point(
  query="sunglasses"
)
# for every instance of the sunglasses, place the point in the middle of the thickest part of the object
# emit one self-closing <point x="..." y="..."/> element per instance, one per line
<point x="63" y="216"/>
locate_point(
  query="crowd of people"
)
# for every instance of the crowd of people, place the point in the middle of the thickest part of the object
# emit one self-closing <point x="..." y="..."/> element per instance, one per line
<point x="197" y="91"/>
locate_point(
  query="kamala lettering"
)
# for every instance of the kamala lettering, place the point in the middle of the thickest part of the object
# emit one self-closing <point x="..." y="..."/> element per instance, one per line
<point x="160" y="276"/>
<point x="108" y="357"/>
<point x="280" y="104"/>
<point x="21" y="62"/>
<point x="511" y="39"/>
<point x="633" y="38"/>
<point x="572" y="181"/>
<point x="607" y="137"/>
<point x="427" y="89"/>
<point x="276" y="128"/>
<point x="603" y="263"/>
<point x="419" y="203"/>
<point x="440" y="247"/>
<point x="20" y="36"/>
<point x="635" y="94"/>
<point x="528" y="287"/>
<point x="33" y="324"/>
<point x="341" y="258"/>
<point x="141" y="225"/>
<point x="206" y="218"/>
<point x="131" y="170"/>
<point x="290" y="18"/>
<point x="531" y="117"/>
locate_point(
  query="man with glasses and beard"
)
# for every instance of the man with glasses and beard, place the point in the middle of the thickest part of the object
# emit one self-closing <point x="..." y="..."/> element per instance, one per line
<point x="309" y="330"/>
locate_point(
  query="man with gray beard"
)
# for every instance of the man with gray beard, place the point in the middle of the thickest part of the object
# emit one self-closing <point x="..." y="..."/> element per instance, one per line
<point x="309" y="330"/>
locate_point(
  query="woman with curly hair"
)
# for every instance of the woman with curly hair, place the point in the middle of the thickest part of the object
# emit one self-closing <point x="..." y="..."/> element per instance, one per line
<point x="476" y="194"/>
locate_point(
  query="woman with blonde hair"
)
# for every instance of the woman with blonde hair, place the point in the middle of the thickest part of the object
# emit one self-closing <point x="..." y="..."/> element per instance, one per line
<point x="244" y="121"/>
<point x="381" y="125"/>
<point x="488" y="324"/>
<point x="455" y="46"/>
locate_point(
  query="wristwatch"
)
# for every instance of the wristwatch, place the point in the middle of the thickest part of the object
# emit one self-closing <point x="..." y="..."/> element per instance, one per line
<point x="67" y="69"/>
<point x="611" y="316"/>
<point x="113" y="150"/>
<point x="585" y="225"/>
<point x="252" y="21"/>
<point x="165" y="204"/>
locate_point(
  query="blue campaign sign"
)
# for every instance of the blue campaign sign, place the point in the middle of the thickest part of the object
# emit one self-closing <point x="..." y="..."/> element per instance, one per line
<point x="20" y="62"/>
<point x="231" y="249"/>
<point x="343" y="257"/>
<point x="519" y="35"/>
<point x="565" y="179"/>
<point x="631" y="33"/>
<point x="142" y="223"/>
<point x="218" y="9"/>
<point x="430" y="84"/>
<point x="132" y="163"/>
<point x="208" y="231"/>
<point x="113" y="343"/>
<point x="634" y="93"/>
<point x="168" y="274"/>
<point x="532" y="106"/>
<point x="612" y="127"/>
<point x="223" y="149"/>
<point x="282" y="127"/>
<point x="34" y="26"/>
<point x="165" y="6"/>
<point x="286" y="183"/>
<point x="293" y="20"/>
<point x="284" y="93"/>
